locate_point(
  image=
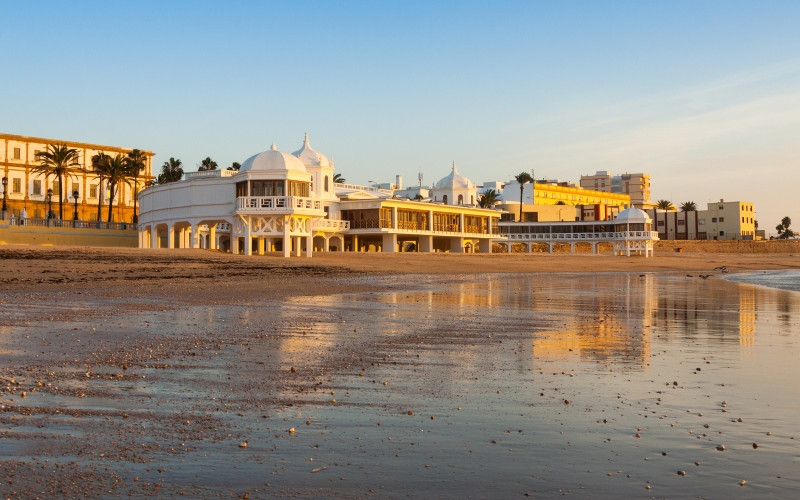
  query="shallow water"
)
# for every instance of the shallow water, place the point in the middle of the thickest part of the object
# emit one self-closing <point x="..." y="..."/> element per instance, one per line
<point x="473" y="386"/>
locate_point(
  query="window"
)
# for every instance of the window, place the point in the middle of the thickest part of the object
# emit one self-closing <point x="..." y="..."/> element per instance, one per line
<point x="444" y="199"/>
<point x="713" y="219"/>
<point x="722" y="233"/>
<point x="16" y="185"/>
<point x="722" y="207"/>
<point x="327" y="188"/>
<point x="55" y="187"/>
<point x="74" y="189"/>
<point x="660" y="223"/>
<point x="722" y="219"/>
<point x="461" y="199"/>
<point x="37" y="187"/>
<point x="93" y="191"/>
<point x="681" y="222"/>
<point x="17" y="154"/>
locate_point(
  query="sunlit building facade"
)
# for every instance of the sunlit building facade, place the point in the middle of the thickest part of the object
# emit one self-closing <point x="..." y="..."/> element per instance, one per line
<point x="28" y="190"/>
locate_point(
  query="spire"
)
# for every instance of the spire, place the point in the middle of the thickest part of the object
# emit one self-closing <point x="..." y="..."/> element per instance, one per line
<point x="454" y="166"/>
<point x="306" y="140"/>
<point x="273" y="147"/>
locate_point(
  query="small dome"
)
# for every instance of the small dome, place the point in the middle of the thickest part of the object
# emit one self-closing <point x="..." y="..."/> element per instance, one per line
<point x="632" y="216"/>
<point x="454" y="181"/>
<point x="309" y="157"/>
<point x="272" y="161"/>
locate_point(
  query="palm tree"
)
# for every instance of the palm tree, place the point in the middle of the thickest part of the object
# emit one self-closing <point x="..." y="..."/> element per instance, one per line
<point x="688" y="206"/>
<point x="135" y="162"/>
<point x="61" y="161"/>
<point x="116" y="172"/>
<point x="207" y="164"/>
<point x="665" y="205"/>
<point x="338" y="179"/>
<point x="488" y="198"/>
<point x="522" y="178"/>
<point x="171" y="171"/>
<point x="235" y="166"/>
<point x="99" y="165"/>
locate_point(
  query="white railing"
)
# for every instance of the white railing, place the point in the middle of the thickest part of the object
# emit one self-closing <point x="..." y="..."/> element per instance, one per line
<point x="210" y="173"/>
<point x="607" y="236"/>
<point x="333" y="224"/>
<point x="277" y="203"/>
<point x="357" y="187"/>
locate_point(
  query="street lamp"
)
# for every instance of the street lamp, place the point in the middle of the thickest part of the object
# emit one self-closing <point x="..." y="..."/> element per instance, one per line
<point x="49" y="205"/>
<point x="75" y="195"/>
<point x="5" y="196"/>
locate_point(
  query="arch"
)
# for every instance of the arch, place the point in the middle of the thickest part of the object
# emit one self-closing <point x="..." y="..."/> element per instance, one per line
<point x="327" y="185"/>
<point x="444" y="199"/>
<point x="461" y="199"/>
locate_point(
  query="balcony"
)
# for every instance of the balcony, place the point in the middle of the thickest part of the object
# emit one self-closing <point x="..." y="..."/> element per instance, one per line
<point x="277" y="204"/>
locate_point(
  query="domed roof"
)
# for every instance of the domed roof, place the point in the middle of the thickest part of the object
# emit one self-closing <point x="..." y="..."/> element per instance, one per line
<point x="272" y="161"/>
<point x="454" y="181"/>
<point x="309" y="157"/>
<point x="632" y="216"/>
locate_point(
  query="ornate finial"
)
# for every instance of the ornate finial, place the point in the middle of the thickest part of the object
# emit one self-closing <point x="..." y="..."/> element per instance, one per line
<point x="273" y="147"/>
<point x="306" y="140"/>
<point x="454" y="165"/>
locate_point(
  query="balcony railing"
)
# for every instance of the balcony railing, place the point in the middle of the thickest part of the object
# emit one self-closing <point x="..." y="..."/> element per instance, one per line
<point x="336" y="225"/>
<point x="277" y="203"/>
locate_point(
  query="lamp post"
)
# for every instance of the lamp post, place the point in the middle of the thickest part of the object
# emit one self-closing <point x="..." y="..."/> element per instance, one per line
<point x="49" y="205"/>
<point x="5" y="196"/>
<point x="75" y="195"/>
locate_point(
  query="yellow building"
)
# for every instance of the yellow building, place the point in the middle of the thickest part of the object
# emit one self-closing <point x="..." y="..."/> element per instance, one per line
<point x="28" y="190"/>
<point x="559" y="201"/>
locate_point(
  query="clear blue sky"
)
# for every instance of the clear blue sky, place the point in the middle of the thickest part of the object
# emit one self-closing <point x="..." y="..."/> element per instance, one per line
<point x="702" y="95"/>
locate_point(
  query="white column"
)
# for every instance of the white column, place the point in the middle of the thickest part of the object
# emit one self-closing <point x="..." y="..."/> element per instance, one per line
<point x="194" y="235"/>
<point x="390" y="243"/>
<point x="287" y="242"/>
<point x="154" y="236"/>
<point x="248" y="240"/>
<point x="309" y="245"/>
<point x="213" y="244"/>
<point x="171" y="236"/>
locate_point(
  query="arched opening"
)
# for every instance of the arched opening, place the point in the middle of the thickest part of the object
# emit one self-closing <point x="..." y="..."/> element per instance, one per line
<point x="461" y="199"/>
<point x="327" y="187"/>
<point x="444" y="199"/>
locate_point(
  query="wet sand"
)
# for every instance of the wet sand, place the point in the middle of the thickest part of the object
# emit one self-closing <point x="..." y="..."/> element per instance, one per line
<point x="203" y="374"/>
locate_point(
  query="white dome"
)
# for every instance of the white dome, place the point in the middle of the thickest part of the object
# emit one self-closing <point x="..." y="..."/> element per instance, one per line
<point x="272" y="161"/>
<point x="454" y="181"/>
<point x="309" y="157"/>
<point x="632" y="216"/>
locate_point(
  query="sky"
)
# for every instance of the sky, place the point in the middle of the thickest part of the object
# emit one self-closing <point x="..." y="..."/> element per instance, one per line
<point x="702" y="95"/>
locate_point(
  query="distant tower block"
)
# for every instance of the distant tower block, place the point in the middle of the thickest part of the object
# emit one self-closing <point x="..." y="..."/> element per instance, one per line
<point x="399" y="181"/>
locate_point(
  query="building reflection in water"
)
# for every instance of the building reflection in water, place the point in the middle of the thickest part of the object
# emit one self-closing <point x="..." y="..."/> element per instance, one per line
<point x="603" y="318"/>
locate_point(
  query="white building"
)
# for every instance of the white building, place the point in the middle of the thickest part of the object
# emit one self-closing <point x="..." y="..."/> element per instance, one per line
<point x="288" y="203"/>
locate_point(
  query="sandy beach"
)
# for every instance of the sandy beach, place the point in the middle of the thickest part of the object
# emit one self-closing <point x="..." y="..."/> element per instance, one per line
<point x="200" y="374"/>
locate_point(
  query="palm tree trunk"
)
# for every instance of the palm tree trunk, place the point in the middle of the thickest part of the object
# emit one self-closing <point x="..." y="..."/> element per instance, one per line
<point x="521" y="190"/>
<point x="110" y="201"/>
<point x="100" y="200"/>
<point x="135" y="219"/>
<point x="60" y="199"/>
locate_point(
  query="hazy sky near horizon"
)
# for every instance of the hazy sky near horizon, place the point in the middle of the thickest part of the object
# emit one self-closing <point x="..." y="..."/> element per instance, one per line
<point x="702" y="95"/>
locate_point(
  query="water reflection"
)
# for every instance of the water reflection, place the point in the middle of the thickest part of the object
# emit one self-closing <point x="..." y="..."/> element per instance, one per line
<point x="604" y="318"/>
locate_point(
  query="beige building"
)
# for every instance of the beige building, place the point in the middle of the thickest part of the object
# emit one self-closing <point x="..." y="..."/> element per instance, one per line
<point x="722" y="220"/>
<point x="28" y="190"/>
<point x="637" y="186"/>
